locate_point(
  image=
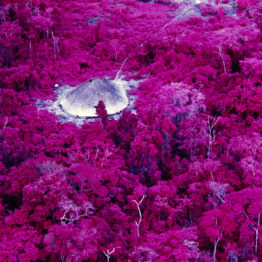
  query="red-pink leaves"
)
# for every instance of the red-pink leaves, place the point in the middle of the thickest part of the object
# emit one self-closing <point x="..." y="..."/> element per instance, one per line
<point x="101" y="112"/>
<point x="183" y="166"/>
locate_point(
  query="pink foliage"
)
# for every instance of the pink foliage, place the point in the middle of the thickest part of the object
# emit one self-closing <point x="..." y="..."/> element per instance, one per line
<point x="177" y="176"/>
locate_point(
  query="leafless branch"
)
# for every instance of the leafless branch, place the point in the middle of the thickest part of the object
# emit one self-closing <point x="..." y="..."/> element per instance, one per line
<point x="108" y="253"/>
<point x="211" y="134"/>
<point x="140" y="214"/>
<point x="215" y="245"/>
<point x="220" y="54"/>
<point x="121" y="67"/>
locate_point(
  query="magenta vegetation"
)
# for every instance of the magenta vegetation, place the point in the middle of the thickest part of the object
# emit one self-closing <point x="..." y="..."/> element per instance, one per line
<point x="178" y="177"/>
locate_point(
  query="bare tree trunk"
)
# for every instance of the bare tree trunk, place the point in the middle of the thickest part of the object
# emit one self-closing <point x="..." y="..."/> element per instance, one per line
<point x="215" y="246"/>
<point x="256" y="232"/>
<point x="211" y="135"/>
<point x="215" y="249"/>
<point x="30" y="49"/>
<point x="140" y="214"/>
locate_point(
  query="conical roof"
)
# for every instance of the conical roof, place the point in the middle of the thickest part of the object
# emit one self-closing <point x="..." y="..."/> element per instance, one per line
<point x="82" y="99"/>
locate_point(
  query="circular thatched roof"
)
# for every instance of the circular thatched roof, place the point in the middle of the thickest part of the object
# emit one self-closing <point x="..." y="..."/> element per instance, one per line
<point x="82" y="99"/>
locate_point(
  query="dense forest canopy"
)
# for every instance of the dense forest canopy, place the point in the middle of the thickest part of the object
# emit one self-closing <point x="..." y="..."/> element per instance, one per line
<point x="176" y="177"/>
